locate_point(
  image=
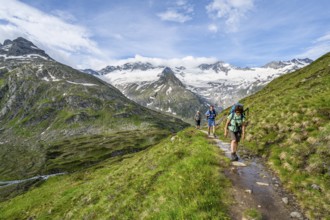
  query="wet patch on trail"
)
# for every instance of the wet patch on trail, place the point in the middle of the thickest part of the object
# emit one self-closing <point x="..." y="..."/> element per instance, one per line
<point x="256" y="187"/>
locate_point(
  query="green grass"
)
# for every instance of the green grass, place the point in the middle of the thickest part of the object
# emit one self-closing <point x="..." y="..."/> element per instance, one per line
<point x="73" y="154"/>
<point x="180" y="179"/>
<point x="289" y="124"/>
<point x="252" y="214"/>
<point x="2" y="82"/>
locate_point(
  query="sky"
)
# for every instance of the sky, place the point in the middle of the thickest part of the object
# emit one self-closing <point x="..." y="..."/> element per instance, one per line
<point x="97" y="33"/>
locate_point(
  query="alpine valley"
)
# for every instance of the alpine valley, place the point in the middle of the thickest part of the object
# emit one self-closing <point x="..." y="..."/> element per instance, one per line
<point x="104" y="156"/>
<point x="54" y="118"/>
<point x="181" y="90"/>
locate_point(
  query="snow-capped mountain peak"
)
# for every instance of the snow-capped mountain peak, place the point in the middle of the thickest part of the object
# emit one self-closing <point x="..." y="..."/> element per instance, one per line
<point x="167" y="75"/>
<point x="21" y="49"/>
<point x="217" y="67"/>
<point x="219" y="83"/>
<point x="294" y="63"/>
<point x="129" y="67"/>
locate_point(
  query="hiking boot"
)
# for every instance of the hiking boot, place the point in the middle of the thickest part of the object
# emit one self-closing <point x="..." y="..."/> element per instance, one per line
<point x="236" y="157"/>
<point x="232" y="157"/>
<point x="214" y="136"/>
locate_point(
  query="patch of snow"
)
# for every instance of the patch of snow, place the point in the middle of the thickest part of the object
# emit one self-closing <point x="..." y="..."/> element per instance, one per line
<point x="168" y="90"/>
<point x="7" y="47"/>
<point x="123" y="76"/>
<point x="23" y="57"/>
<point x="169" y="110"/>
<point x="159" y="88"/>
<point x="53" y="77"/>
<point x="84" y="84"/>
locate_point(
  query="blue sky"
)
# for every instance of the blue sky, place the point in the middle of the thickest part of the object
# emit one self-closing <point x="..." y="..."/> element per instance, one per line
<point x="84" y="33"/>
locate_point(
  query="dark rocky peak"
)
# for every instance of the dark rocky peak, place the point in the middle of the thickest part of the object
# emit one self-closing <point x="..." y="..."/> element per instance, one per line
<point x="180" y="68"/>
<point x="7" y="42"/>
<point x="138" y="66"/>
<point x="109" y="69"/>
<point x="275" y="64"/>
<point x="306" y="60"/>
<point x="129" y="67"/>
<point x="219" y="66"/>
<point x="301" y="61"/>
<point x="168" y="76"/>
<point x="167" y="71"/>
<point x="22" y="47"/>
<point x="281" y="64"/>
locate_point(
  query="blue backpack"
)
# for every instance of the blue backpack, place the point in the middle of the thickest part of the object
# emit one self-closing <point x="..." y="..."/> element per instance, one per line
<point x="241" y="106"/>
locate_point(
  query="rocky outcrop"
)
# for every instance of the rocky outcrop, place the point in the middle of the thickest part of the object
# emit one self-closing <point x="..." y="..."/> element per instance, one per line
<point x="168" y="94"/>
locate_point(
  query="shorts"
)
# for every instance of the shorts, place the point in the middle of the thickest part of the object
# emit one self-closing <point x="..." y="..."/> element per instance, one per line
<point x="235" y="136"/>
<point x="211" y="123"/>
<point x="198" y="122"/>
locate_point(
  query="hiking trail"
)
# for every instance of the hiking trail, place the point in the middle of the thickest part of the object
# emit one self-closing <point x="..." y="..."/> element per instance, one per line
<point x="254" y="186"/>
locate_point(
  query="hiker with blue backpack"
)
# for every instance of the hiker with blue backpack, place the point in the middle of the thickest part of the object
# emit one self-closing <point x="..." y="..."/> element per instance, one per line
<point x="211" y="114"/>
<point x="235" y="125"/>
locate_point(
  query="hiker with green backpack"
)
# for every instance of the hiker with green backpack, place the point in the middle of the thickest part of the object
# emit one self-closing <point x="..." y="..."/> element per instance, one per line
<point x="235" y="125"/>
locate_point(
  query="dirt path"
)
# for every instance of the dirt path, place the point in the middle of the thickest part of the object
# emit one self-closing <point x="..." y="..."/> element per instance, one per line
<point x="255" y="187"/>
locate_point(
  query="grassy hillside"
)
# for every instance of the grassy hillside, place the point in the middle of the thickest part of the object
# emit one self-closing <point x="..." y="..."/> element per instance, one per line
<point x="180" y="178"/>
<point x="289" y="124"/>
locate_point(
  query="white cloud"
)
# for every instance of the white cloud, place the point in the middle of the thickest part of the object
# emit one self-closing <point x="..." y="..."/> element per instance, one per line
<point x="133" y="34"/>
<point x="64" y="15"/>
<point x="231" y="11"/>
<point x="326" y="37"/>
<point x="181" y="2"/>
<point x="181" y="12"/>
<point x="320" y="47"/>
<point x="188" y="61"/>
<point x="59" y="38"/>
<point x="213" y="28"/>
<point x="172" y="15"/>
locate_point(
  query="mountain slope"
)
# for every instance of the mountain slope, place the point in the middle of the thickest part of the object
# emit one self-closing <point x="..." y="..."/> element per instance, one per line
<point x="289" y="123"/>
<point x="180" y="178"/>
<point x="45" y="106"/>
<point x="167" y="94"/>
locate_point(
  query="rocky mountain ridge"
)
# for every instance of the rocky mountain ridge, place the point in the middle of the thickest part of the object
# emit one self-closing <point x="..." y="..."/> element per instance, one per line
<point x="21" y="49"/>
<point x="167" y="94"/>
<point x="216" y="83"/>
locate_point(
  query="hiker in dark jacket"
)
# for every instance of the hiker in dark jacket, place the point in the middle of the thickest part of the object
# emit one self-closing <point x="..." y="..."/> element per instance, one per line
<point x="198" y="118"/>
<point x="211" y="114"/>
<point x="236" y="127"/>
